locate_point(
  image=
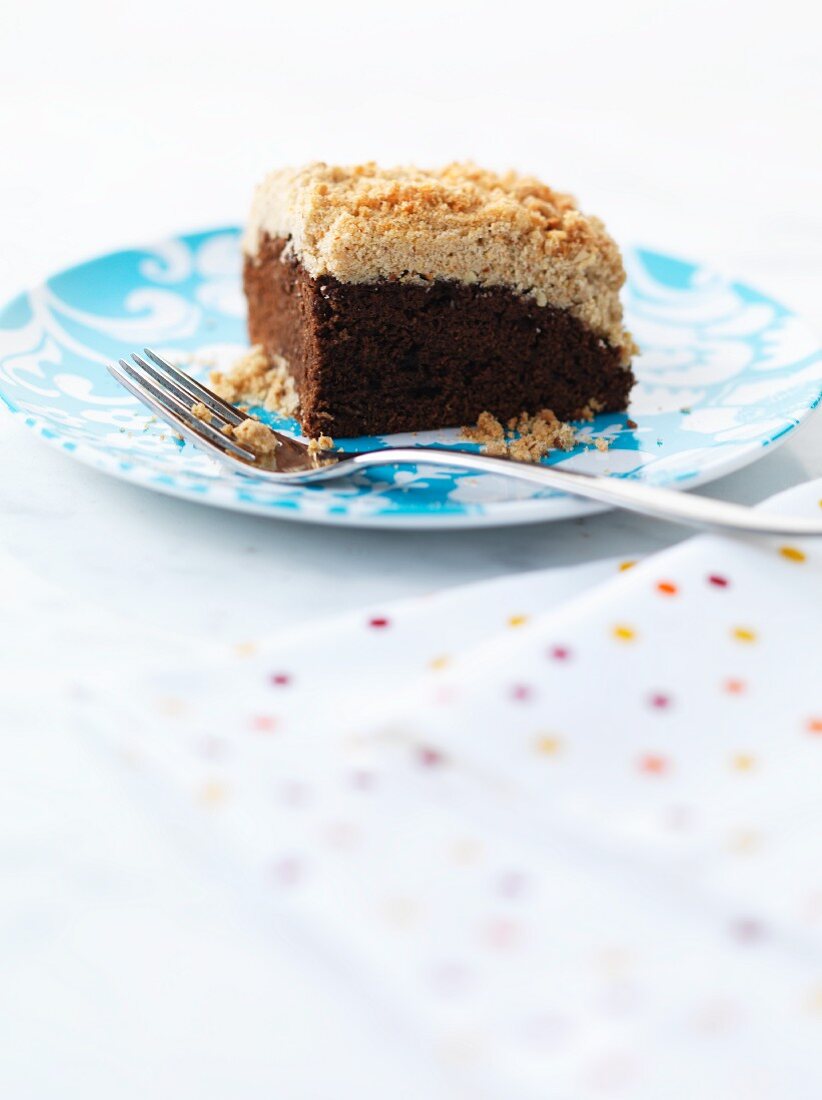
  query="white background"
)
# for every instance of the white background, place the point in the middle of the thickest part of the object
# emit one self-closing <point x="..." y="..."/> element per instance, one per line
<point x="688" y="126"/>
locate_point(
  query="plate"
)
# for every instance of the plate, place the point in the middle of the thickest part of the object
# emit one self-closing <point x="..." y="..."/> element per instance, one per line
<point x="725" y="373"/>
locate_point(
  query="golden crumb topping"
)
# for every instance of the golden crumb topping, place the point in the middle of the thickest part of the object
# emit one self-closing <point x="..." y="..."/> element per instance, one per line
<point x="256" y="437"/>
<point x="364" y="223"/>
<point x="255" y="380"/>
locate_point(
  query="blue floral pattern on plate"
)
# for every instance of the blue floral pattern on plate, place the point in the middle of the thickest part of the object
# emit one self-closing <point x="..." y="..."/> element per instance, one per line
<point x="725" y="372"/>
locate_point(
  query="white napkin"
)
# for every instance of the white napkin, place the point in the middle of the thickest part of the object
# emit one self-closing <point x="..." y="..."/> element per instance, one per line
<point x="563" y="844"/>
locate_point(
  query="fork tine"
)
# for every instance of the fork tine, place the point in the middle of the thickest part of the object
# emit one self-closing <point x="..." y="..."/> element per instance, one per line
<point x="200" y="392"/>
<point x="171" y="408"/>
<point x="167" y="384"/>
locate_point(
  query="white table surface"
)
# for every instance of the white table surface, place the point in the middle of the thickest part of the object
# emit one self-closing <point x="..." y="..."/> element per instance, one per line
<point x="691" y="127"/>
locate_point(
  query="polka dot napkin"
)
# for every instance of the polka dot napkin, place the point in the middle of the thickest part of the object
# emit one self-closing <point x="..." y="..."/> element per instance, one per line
<point x="563" y="832"/>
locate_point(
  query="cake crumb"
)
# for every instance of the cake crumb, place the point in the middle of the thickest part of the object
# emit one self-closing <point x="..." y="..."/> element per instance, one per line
<point x="202" y="412"/>
<point x="254" y="435"/>
<point x="324" y="443"/>
<point x="257" y="380"/>
<point x="589" y="411"/>
<point x="487" y="430"/>
<point x="529" y="437"/>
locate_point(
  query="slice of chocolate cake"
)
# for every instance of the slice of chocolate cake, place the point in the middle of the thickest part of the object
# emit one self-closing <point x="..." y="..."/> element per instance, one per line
<point x="399" y="300"/>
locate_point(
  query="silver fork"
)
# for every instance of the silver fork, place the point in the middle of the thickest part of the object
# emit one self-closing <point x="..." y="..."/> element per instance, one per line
<point x="172" y="394"/>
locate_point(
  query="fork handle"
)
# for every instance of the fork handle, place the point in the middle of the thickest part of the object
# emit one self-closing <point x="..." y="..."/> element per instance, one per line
<point x="648" y="500"/>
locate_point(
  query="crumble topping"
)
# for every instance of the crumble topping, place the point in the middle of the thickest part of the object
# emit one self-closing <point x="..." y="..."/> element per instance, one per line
<point x="257" y="380"/>
<point x="324" y="443"/>
<point x="527" y="438"/>
<point x="251" y="433"/>
<point x="362" y="224"/>
<point x="254" y="435"/>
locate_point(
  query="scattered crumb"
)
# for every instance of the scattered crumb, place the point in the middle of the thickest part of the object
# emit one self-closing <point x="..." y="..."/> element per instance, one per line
<point x="201" y="412"/>
<point x="256" y="436"/>
<point x="258" y="380"/>
<point x="488" y="429"/>
<point x="632" y="424"/>
<point x="528" y="438"/>
<point x="590" y="410"/>
<point x="324" y="443"/>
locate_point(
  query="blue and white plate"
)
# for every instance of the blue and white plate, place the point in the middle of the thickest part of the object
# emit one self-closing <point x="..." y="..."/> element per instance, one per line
<point x="725" y="373"/>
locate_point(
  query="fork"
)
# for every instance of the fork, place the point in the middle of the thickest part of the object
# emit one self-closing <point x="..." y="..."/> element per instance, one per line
<point x="172" y="394"/>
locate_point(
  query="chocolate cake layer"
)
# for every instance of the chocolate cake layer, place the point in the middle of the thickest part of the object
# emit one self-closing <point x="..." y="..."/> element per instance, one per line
<point x="376" y="358"/>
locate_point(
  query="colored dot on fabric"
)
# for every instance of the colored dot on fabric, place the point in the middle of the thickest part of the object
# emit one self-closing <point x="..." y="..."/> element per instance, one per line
<point x="734" y="686"/>
<point x="212" y="793"/>
<point x="814" y="725"/>
<point x="170" y="705"/>
<point x="548" y="744"/>
<point x="517" y="620"/>
<point x="430" y="758"/>
<point x="743" y="762"/>
<point x="660" y="701"/>
<point x="212" y="748"/>
<point x="716" y="1016"/>
<point x="466" y="850"/>
<point x="445" y="694"/>
<point x="245" y="649"/>
<point x="667" y="588"/>
<point x="813" y="1001"/>
<point x="400" y="911"/>
<point x="521" y="693"/>
<point x="293" y="794"/>
<point x="379" y="622"/>
<point x="559" y="653"/>
<point x="718" y="581"/>
<point x="501" y="933"/>
<point x="813" y="907"/>
<point x="341" y="835"/>
<point x="287" y="871"/>
<point x="439" y="662"/>
<point x="450" y="978"/>
<point x="546" y="1030"/>
<point x="279" y="679"/>
<point x="747" y="930"/>
<point x="624" y="566"/>
<point x="679" y="818"/>
<point x="624" y="633"/>
<point x="743" y="841"/>
<point x="792" y="553"/>
<point x="652" y="764"/>
<point x="743" y="634"/>
<point x="512" y="884"/>
<point x="363" y="781"/>
<point x="263" y="723"/>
